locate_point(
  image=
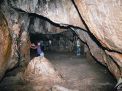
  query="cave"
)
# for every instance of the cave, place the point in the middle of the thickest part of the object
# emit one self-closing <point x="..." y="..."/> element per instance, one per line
<point x="64" y="41"/>
<point x="60" y="45"/>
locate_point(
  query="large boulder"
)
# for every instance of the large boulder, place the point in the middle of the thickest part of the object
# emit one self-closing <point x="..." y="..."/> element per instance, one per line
<point x="40" y="70"/>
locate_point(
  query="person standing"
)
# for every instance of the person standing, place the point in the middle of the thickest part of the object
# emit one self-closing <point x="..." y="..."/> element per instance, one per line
<point x="38" y="48"/>
<point x="78" y="50"/>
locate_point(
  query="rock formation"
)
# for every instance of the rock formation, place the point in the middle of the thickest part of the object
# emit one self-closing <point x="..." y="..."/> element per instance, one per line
<point x="40" y="70"/>
<point x="41" y="74"/>
<point x="5" y="45"/>
<point x="99" y="22"/>
<point x="103" y="19"/>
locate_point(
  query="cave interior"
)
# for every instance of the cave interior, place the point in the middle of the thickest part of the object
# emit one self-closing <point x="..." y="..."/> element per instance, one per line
<point x="60" y="45"/>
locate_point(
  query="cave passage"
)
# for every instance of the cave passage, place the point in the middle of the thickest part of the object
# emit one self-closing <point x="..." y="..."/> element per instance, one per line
<point x="81" y="72"/>
<point x="74" y="63"/>
<point x="63" y="42"/>
<point x="60" y="45"/>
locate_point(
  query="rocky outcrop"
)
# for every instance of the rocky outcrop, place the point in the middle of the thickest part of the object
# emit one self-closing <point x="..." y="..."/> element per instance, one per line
<point x="41" y="71"/>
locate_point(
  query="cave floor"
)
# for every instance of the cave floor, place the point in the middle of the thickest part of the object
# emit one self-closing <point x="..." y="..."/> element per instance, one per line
<point x="79" y="73"/>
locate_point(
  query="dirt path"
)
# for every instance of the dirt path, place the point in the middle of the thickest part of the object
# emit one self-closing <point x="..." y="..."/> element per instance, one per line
<point x="82" y="74"/>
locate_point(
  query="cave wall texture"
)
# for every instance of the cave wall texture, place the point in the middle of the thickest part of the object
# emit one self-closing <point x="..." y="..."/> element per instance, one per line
<point x="5" y="45"/>
<point x="100" y="22"/>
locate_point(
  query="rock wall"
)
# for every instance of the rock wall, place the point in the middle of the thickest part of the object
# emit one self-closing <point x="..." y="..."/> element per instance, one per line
<point x="103" y="17"/>
<point x="5" y="45"/>
<point x="100" y="54"/>
<point x="18" y="36"/>
<point x="39" y="25"/>
<point x="101" y="20"/>
<point x="58" y="11"/>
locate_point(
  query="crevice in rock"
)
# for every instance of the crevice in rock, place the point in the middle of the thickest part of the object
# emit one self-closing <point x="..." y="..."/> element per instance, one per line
<point x="64" y="26"/>
<point x="80" y="15"/>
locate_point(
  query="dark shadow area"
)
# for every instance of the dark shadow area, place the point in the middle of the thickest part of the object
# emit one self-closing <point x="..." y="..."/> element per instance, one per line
<point x="63" y="42"/>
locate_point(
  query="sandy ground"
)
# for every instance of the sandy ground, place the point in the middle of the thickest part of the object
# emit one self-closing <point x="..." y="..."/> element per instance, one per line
<point x="78" y="72"/>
